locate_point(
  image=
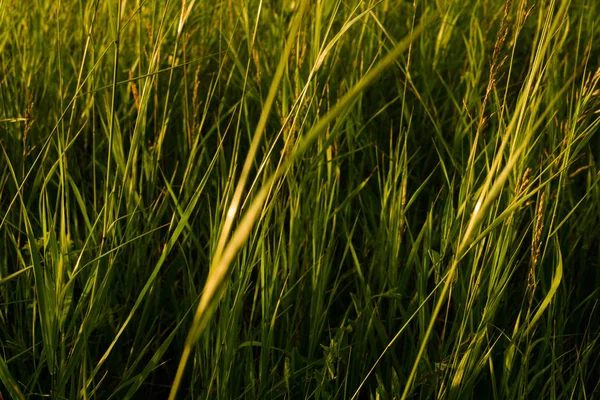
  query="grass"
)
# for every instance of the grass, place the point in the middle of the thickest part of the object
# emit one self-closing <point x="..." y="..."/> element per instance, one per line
<point x="299" y="199"/>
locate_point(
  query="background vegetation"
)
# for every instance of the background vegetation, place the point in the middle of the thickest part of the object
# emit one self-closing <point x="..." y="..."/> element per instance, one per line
<point x="299" y="199"/>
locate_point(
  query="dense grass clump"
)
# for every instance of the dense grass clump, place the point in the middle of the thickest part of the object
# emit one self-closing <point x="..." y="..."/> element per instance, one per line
<point x="299" y="199"/>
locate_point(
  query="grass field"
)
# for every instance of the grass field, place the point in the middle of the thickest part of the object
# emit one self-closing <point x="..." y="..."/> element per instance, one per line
<point x="290" y="199"/>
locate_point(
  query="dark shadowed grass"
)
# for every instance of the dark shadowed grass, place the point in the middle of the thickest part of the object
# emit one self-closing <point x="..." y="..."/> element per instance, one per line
<point x="299" y="199"/>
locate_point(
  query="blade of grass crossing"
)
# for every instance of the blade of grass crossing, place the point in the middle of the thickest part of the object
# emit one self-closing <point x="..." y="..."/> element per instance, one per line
<point x="221" y="261"/>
